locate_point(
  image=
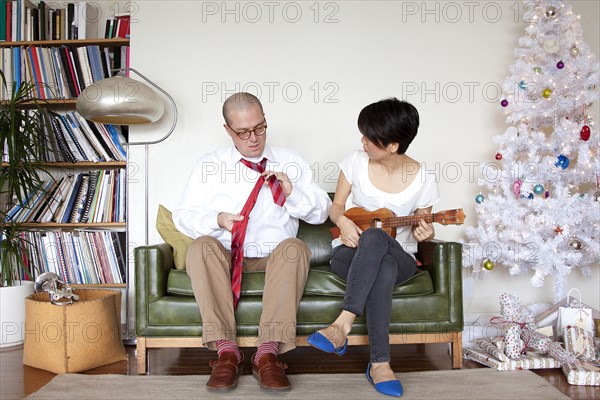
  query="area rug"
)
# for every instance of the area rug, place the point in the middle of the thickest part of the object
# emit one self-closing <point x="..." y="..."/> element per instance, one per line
<point x="463" y="384"/>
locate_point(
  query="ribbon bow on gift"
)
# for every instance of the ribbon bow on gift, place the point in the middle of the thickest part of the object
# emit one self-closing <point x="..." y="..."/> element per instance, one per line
<point x="520" y="331"/>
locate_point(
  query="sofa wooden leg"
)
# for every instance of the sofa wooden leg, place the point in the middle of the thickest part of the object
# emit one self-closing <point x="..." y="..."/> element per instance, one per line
<point x="457" y="351"/>
<point x="142" y="356"/>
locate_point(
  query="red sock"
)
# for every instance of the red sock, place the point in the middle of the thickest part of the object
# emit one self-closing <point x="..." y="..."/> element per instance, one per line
<point x="224" y="346"/>
<point x="266" y="348"/>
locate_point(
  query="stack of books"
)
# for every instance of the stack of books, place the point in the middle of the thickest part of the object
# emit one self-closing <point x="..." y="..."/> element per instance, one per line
<point x="60" y="72"/>
<point x="84" y="198"/>
<point x="72" y="138"/>
<point x="78" y="257"/>
<point x="22" y="20"/>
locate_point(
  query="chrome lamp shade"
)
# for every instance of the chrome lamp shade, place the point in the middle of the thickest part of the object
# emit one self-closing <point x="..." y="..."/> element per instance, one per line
<point x="121" y="101"/>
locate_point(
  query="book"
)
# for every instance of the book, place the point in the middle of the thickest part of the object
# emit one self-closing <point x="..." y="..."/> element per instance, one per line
<point x="95" y="59"/>
<point x="71" y="27"/>
<point x="81" y="138"/>
<point x="89" y="134"/>
<point x="89" y="197"/>
<point x="48" y="75"/>
<point x="117" y="138"/>
<point x="84" y="63"/>
<point x="50" y="253"/>
<point x="72" y="198"/>
<point x="98" y="200"/>
<point x="3" y="7"/>
<point x="77" y="211"/>
<point x="72" y="139"/>
<point x="44" y="201"/>
<point x="77" y="66"/>
<point x="62" y="86"/>
<point x="42" y="19"/>
<point x="109" y="28"/>
<point x="120" y="246"/>
<point x="62" y="140"/>
<point x="55" y="199"/>
<point x="69" y="69"/>
<point x="122" y="28"/>
<point x="34" y="65"/>
<point x="69" y="182"/>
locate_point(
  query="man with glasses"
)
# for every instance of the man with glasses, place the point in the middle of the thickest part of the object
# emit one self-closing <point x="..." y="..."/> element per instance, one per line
<point x="243" y="205"/>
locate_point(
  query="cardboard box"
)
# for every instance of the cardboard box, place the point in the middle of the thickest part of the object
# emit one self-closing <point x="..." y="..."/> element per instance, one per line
<point x="74" y="337"/>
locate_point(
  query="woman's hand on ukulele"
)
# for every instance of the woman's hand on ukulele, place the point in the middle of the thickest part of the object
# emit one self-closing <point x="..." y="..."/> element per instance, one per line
<point x="423" y="231"/>
<point x="350" y="232"/>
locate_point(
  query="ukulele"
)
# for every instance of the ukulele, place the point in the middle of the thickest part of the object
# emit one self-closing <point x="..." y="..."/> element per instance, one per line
<point x="388" y="221"/>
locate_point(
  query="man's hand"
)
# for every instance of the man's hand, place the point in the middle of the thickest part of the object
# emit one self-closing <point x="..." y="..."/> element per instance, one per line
<point x="286" y="184"/>
<point x="226" y="220"/>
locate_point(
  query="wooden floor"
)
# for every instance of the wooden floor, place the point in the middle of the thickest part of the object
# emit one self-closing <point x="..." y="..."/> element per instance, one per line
<point x="18" y="381"/>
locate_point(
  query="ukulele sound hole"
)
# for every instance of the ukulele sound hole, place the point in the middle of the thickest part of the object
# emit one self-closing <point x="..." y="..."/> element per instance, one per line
<point x="376" y="223"/>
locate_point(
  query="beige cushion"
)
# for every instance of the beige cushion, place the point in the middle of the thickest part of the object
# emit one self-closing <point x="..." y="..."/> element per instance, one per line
<point x="177" y="240"/>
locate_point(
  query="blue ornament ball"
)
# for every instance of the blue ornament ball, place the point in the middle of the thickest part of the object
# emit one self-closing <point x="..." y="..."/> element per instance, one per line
<point x="523" y="85"/>
<point x="530" y="196"/>
<point x="538" y="189"/>
<point x="562" y="162"/>
<point x="479" y="198"/>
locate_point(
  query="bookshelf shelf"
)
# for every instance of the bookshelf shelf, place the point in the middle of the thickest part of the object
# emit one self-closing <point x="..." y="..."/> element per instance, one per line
<point x="72" y="226"/>
<point x="76" y="42"/>
<point x="81" y="164"/>
<point x="99" y="286"/>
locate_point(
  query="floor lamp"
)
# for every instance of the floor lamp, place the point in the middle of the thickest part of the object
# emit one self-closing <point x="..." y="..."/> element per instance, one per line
<point x="120" y="100"/>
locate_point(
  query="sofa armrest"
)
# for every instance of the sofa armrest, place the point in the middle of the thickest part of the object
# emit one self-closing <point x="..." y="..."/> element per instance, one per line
<point x="443" y="261"/>
<point x="152" y="266"/>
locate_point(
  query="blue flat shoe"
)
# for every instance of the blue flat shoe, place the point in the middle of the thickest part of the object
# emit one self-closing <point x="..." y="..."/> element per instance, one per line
<point x="390" y="388"/>
<point x="322" y="343"/>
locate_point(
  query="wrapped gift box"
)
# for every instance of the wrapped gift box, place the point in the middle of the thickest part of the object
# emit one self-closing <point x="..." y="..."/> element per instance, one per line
<point x="582" y="374"/>
<point x="525" y="362"/>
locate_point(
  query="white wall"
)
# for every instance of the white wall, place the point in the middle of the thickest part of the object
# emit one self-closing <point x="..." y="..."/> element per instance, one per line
<point x="315" y="65"/>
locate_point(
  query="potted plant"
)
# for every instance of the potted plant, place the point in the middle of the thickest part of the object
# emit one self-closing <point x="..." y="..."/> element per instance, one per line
<point x="22" y="142"/>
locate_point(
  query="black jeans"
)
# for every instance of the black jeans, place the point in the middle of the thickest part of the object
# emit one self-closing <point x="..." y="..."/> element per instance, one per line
<point x="371" y="271"/>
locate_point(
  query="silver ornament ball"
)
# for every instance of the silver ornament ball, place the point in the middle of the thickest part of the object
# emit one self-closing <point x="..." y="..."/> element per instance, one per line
<point x="551" y="12"/>
<point x="575" y="243"/>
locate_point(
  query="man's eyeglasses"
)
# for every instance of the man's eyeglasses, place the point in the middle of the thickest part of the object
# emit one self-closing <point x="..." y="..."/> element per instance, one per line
<point x="258" y="130"/>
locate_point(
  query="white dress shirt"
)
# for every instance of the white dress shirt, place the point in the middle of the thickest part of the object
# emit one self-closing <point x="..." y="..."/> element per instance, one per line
<point x="219" y="182"/>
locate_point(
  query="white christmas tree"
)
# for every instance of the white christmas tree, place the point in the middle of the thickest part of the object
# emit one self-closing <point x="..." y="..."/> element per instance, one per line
<point x="538" y="209"/>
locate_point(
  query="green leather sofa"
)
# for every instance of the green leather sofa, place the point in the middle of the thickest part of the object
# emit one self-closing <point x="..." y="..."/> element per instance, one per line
<point x="426" y="309"/>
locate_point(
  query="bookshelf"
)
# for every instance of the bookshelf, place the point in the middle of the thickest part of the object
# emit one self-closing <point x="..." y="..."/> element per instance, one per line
<point x="86" y="252"/>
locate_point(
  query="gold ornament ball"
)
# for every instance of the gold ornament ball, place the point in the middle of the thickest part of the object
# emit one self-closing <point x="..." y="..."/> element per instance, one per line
<point x="574" y="51"/>
<point x="547" y="93"/>
<point x="575" y="243"/>
<point x="489" y="265"/>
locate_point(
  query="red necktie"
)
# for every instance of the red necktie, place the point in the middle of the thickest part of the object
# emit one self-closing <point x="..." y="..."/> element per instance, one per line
<point x="238" y="233"/>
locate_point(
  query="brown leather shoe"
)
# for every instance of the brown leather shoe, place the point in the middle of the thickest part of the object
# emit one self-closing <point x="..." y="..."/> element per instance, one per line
<point x="270" y="373"/>
<point x="226" y="371"/>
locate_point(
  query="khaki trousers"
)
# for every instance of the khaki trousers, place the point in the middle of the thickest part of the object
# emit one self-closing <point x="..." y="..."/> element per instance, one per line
<point x="208" y="264"/>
